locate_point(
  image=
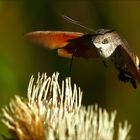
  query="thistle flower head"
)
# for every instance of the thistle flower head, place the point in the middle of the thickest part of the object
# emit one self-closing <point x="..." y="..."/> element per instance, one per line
<point x="54" y="111"/>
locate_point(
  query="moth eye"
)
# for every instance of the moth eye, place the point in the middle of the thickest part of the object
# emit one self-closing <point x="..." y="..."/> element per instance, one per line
<point x="105" y="41"/>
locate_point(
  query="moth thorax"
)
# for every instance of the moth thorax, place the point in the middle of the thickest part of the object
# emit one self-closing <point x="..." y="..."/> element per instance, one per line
<point x="107" y="43"/>
<point x="105" y="50"/>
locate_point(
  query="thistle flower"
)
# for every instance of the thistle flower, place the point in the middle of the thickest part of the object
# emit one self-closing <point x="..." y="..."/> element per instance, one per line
<point x="54" y="111"/>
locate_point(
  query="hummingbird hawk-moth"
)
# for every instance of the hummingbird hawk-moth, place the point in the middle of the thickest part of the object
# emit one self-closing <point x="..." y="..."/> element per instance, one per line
<point x="105" y="44"/>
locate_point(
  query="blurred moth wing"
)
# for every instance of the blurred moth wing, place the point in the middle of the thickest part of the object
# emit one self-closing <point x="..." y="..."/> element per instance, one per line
<point x="132" y="62"/>
<point x="68" y="43"/>
<point x="52" y="39"/>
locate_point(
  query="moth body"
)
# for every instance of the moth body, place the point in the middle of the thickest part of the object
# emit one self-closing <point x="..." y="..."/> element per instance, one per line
<point x="105" y="44"/>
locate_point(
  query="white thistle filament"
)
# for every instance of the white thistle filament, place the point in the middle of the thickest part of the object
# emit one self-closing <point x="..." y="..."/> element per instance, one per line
<point x="54" y="111"/>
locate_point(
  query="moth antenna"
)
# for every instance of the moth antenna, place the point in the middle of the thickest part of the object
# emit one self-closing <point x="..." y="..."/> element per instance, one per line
<point x="76" y="23"/>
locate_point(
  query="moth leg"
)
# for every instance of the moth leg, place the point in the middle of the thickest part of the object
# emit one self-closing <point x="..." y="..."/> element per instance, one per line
<point x="133" y="82"/>
<point x="105" y="64"/>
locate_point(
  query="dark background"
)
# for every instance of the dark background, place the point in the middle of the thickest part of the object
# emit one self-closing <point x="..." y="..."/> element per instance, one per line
<point x="19" y="59"/>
